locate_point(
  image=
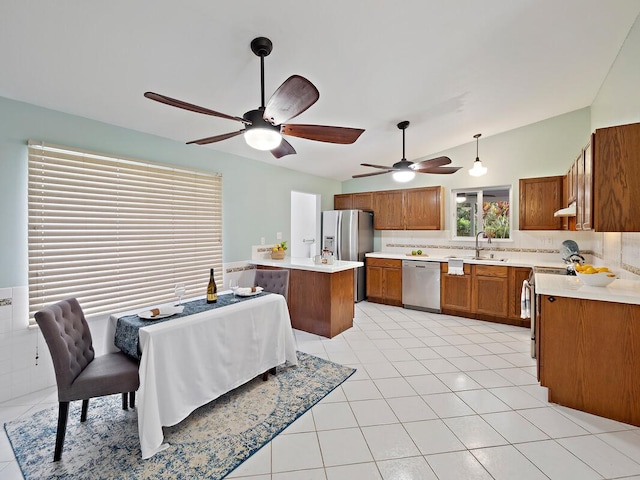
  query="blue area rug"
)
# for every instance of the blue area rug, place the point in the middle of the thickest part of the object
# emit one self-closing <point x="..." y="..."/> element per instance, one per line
<point x="210" y="443"/>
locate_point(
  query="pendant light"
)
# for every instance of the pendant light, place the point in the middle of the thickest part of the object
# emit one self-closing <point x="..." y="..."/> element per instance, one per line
<point x="478" y="169"/>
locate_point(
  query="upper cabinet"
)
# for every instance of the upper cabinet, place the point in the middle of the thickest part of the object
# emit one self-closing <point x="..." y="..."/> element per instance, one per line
<point x="409" y="209"/>
<point x="406" y="209"/>
<point x="539" y="199"/>
<point x="357" y="201"/>
<point x="584" y="186"/>
<point x="616" y="178"/>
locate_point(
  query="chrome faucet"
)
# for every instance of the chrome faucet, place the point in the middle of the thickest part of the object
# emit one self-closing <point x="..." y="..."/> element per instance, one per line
<point x="478" y="248"/>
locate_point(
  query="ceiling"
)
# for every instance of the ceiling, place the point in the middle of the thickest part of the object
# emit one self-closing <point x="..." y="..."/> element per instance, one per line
<point x="452" y="68"/>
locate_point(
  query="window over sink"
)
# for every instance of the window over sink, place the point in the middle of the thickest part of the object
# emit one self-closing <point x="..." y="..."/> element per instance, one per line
<point x="485" y="209"/>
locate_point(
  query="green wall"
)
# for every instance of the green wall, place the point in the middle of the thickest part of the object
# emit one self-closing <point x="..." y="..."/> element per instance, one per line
<point x="256" y="195"/>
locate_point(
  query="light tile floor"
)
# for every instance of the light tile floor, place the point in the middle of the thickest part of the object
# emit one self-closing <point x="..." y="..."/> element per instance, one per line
<point x="434" y="397"/>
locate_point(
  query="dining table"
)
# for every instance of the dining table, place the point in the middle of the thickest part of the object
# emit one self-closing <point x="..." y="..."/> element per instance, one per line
<point x="190" y="360"/>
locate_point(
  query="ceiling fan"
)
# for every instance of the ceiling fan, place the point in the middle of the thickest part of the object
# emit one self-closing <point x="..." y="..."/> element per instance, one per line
<point x="404" y="170"/>
<point x="264" y="126"/>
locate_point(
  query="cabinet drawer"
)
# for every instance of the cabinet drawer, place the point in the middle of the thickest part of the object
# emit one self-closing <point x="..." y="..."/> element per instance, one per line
<point x="384" y="262"/>
<point x="490" y="270"/>
<point x="444" y="268"/>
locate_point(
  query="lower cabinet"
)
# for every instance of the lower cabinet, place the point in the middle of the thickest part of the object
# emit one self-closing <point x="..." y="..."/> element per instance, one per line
<point x="455" y="290"/>
<point x="484" y="292"/>
<point x="384" y="281"/>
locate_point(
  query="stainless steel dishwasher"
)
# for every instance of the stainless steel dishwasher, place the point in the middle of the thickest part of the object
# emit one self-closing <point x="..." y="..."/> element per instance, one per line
<point x="421" y="285"/>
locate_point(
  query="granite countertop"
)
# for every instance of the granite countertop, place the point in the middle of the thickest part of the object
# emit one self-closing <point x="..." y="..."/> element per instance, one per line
<point x="618" y="291"/>
<point x="308" y="264"/>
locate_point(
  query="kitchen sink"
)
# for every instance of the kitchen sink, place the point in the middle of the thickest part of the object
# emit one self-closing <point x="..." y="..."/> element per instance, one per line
<point x="481" y="257"/>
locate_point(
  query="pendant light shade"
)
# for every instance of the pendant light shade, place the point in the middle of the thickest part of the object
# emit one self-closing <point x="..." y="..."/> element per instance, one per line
<point x="404" y="176"/>
<point x="262" y="138"/>
<point x="478" y="169"/>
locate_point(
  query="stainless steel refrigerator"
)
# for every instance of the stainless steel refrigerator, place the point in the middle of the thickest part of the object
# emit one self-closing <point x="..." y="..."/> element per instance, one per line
<point x="348" y="234"/>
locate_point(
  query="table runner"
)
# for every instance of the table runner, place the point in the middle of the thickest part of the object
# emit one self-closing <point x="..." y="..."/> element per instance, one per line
<point x="126" y="337"/>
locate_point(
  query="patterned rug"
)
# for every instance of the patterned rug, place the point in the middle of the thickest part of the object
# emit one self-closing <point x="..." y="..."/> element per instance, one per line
<point x="210" y="443"/>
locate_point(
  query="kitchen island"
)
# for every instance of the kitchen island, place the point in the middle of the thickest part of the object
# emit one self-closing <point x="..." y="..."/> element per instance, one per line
<point x="588" y="345"/>
<point x="321" y="296"/>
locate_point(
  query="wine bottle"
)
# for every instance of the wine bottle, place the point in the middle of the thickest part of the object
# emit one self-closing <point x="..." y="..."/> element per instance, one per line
<point x="212" y="289"/>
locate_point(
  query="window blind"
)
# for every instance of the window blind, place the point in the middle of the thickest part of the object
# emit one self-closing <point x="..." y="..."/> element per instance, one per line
<point x="118" y="233"/>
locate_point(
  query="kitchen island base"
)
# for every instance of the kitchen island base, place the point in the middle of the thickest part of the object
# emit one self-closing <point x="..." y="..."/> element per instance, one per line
<point x="589" y="356"/>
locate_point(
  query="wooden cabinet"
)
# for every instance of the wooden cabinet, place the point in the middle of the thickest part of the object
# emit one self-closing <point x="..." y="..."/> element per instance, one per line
<point x="539" y="199"/>
<point x="588" y="356"/>
<point x="343" y="201"/>
<point x="388" y="210"/>
<point x="356" y="201"/>
<point x="485" y="292"/>
<point x="455" y="290"/>
<point x="572" y="184"/>
<point x="616" y="178"/>
<point x="490" y="290"/>
<point x="584" y="186"/>
<point x="409" y="209"/>
<point x="517" y="275"/>
<point x="424" y="208"/>
<point x="384" y="281"/>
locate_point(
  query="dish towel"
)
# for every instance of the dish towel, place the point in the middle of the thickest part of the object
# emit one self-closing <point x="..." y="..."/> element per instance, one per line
<point x="455" y="266"/>
<point x="525" y="301"/>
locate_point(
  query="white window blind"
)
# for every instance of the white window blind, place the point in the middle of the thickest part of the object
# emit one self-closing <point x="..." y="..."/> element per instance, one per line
<point x="118" y="233"/>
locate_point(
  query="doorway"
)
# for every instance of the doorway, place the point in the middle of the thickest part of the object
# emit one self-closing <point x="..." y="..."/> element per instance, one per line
<point x="305" y="224"/>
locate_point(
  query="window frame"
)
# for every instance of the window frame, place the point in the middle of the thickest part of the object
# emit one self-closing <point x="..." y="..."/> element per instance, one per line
<point x="479" y="220"/>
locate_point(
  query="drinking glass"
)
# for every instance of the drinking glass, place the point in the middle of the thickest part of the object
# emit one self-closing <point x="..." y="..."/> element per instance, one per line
<point x="180" y="290"/>
<point x="233" y="285"/>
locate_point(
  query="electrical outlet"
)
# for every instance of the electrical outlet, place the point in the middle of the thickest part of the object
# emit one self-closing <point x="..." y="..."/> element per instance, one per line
<point x="279" y="236"/>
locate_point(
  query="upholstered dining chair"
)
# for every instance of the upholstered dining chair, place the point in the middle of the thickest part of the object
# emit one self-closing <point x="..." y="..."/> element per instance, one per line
<point x="80" y="375"/>
<point x="274" y="281"/>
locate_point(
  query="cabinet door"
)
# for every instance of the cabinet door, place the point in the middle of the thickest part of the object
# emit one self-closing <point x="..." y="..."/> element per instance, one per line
<point x="389" y="210"/>
<point x="539" y="199"/>
<point x="392" y="286"/>
<point x="490" y="296"/>
<point x="572" y="183"/>
<point x="374" y="284"/>
<point x="579" y="163"/>
<point x="588" y="188"/>
<point x="343" y="201"/>
<point x="424" y="208"/>
<point x="363" y="201"/>
<point x="517" y="275"/>
<point x="455" y="290"/>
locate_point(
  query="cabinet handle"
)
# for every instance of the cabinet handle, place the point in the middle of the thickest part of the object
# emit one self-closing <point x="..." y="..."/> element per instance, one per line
<point x="552" y="299"/>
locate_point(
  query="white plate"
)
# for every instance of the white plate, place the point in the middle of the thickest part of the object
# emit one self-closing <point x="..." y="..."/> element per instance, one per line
<point x="148" y="315"/>
<point x="247" y="294"/>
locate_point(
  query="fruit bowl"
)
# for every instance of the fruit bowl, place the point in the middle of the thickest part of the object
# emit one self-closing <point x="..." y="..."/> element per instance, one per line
<point x="600" y="279"/>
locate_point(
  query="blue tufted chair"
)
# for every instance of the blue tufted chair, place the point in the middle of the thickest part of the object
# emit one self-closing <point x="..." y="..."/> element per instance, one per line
<point x="274" y="281"/>
<point x="80" y="375"/>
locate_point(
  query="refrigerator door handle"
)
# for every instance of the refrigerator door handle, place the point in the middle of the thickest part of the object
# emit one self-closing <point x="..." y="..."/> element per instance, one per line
<point x="338" y="253"/>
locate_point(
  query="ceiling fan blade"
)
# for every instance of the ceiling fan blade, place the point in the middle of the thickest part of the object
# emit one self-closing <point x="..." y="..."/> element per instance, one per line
<point x="438" y="170"/>
<point x="432" y="162"/>
<point x="370" y="174"/>
<point x="377" y="166"/>
<point x="283" y="149"/>
<point x="216" y="138"/>
<point x="293" y="97"/>
<point x="323" y="133"/>
<point x="189" y="106"/>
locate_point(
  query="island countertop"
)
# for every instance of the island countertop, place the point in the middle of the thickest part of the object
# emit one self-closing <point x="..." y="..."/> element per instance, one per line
<point x="618" y="291"/>
<point x="308" y="264"/>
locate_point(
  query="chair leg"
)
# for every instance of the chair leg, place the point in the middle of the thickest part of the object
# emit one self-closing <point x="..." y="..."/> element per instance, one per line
<point x="63" y="413"/>
<point x="132" y="399"/>
<point x="125" y="403"/>
<point x="265" y="376"/>
<point x="85" y="408"/>
<point x="273" y="371"/>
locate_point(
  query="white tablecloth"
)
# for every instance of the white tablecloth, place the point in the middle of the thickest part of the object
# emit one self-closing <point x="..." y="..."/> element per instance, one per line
<point x="188" y="362"/>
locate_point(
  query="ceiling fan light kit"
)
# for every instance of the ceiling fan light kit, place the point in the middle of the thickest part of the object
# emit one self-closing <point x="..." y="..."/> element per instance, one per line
<point x="265" y="126"/>
<point x="478" y="169"/>
<point x="405" y="171"/>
